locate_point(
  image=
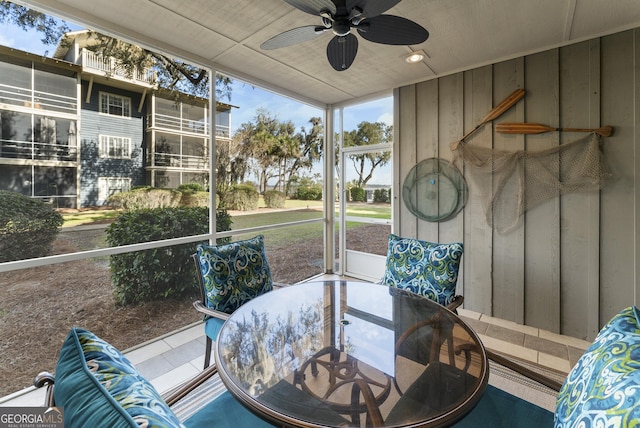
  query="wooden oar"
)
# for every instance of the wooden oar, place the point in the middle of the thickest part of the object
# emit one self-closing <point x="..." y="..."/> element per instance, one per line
<point x="536" y="128"/>
<point x="496" y="112"/>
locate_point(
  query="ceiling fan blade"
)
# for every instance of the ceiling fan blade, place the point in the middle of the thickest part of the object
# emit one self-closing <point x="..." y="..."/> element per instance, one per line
<point x="371" y="8"/>
<point x="313" y="7"/>
<point x="293" y="37"/>
<point x="341" y="51"/>
<point x="392" y="30"/>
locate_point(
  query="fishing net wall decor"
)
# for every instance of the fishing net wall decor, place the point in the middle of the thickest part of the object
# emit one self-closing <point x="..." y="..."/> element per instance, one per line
<point x="512" y="182"/>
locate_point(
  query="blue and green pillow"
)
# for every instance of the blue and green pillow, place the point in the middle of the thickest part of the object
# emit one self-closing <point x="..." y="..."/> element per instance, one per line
<point x="98" y="386"/>
<point x="234" y="273"/>
<point x="425" y="268"/>
<point x="603" y="388"/>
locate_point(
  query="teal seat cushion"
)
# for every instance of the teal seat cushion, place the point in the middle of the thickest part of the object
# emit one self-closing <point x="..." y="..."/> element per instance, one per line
<point x="425" y="268"/>
<point x="499" y="409"/>
<point x="226" y="412"/>
<point x="212" y="327"/>
<point x="234" y="273"/>
<point x="98" y="387"/>
<point x="603" y="388"/>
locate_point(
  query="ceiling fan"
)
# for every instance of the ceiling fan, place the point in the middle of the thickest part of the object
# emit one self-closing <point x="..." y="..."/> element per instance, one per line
<point x="340" y="17"/>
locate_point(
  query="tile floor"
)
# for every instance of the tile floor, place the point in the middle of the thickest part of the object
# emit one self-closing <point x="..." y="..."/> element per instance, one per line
<point x="173" y="358"/>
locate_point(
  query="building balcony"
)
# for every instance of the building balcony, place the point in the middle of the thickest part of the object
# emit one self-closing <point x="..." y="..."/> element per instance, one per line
<point x="10" y="149"/>
<point x="163" y="122"/>
<point x="169" y="160"/>
<point x="97" y="64"/>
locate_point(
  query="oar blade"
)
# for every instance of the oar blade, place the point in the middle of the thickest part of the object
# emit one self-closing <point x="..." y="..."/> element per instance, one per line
<point x="522" y="128"/>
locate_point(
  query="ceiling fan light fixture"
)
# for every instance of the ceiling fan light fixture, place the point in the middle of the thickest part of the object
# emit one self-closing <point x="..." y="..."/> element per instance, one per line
<point x="415" y="57"/>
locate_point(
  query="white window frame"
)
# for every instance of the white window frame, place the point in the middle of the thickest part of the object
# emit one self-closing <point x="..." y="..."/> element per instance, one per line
<point x="108" y="100"/>
<point x="108" y="144"/>
<point x="108" y="186"/>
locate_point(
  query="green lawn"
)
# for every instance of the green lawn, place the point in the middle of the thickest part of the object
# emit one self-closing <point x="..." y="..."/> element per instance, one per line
<point x="88" y="217"/>
<point x="297" y="211"/>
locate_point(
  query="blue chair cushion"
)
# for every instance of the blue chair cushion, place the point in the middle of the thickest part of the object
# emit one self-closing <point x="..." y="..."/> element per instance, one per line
<point x="98" y="386"/>
<point x="425" y="268"/>
<point x="212" y="327"/>
<point x="603" y="388"/>
<point x="234" y="273"/>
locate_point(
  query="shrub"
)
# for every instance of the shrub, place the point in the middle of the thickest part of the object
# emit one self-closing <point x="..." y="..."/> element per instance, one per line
<point x="145" y="198"/>
<point x="28" y="227"/>
<point x="309" y="193"/>
<point x="194" y="199"/>
<point x="157" y="273"/>
<point x="242" y="197"/>
<point x="191" y="187"/>
<point x="274" y="199"/>
<point x="381" y="195"/>
<point x="358" y="194"/>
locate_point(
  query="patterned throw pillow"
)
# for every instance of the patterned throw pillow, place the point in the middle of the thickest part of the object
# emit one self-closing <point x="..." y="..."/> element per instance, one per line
<point x="98" y="386"/>
<point x="603" y="388"/>
<point x="234" y="273"/>
<point x="425" y="268"/>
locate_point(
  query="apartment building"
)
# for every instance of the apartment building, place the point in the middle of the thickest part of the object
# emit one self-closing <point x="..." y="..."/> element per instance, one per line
<point x="75" y="129"/>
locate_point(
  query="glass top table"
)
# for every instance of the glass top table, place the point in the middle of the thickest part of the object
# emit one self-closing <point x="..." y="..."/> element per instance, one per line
<point x="347" y="353"/>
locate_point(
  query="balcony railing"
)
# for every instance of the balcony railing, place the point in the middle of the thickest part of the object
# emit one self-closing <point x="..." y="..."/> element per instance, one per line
<point x="172" y="123"/>
<point x="37" y="151"/>
<point x="25" y="97"/>
<point x="97" y="63"/>
<point x="177" y="161"/>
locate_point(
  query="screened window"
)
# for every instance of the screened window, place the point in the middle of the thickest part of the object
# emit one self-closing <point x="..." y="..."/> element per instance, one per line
<point x="115" y="147"/>
<point x="115" y="105"/>
<point x="108" y="186"/>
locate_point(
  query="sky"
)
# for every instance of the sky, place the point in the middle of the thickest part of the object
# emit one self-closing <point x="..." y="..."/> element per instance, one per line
<point x="247" y="98"/>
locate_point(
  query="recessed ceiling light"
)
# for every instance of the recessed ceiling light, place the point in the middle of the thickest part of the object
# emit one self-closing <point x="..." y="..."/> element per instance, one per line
<point x="414" y="57"/>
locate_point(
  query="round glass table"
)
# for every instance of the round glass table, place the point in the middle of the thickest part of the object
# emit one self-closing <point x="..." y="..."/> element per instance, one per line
<point x="346" y="353"/>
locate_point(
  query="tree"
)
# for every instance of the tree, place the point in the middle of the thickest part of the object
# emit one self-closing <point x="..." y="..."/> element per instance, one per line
<point x="367" y="134"/>
<point x="51" y="29"/>
<point x="276" y="151"/>
<point x="171" y="74"/>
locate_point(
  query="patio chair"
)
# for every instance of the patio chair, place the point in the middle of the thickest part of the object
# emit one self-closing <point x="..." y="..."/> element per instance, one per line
<point x="97" y="386"/>
<point x="425" y="268"/>
<point x="229" y="275"/>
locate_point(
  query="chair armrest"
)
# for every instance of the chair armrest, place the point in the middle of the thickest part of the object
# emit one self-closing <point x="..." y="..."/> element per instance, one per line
<point x="173" y="396"/>
<point x="46" y="379"/>
<point x="512" y="365"/>
<point x="200" y="307"/>
<point x="455" y="303"/>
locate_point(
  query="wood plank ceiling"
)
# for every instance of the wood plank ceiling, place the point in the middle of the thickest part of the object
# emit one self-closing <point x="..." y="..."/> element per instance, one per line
<point x="226" y="35"/>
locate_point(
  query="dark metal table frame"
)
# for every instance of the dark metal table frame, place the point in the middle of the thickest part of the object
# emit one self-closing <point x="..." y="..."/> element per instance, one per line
<point x="300" y="356"/>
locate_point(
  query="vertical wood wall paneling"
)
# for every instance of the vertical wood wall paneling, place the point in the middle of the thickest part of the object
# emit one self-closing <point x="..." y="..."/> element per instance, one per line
<point x="452" y="230"/>
<point x="636" y="185"/>
<point x="451" y="127"/>
<point x="542" y="228"/>
<point x="636" y="138"/>
<point x="508" y="249"/>
<point x="579" y="254"/>
<point x="406" y="155"/>
<point x="478" y="101"/>
<point x="580" y="212"/>
<point x="427" y="137"/>
<point x="619" y="221"/>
